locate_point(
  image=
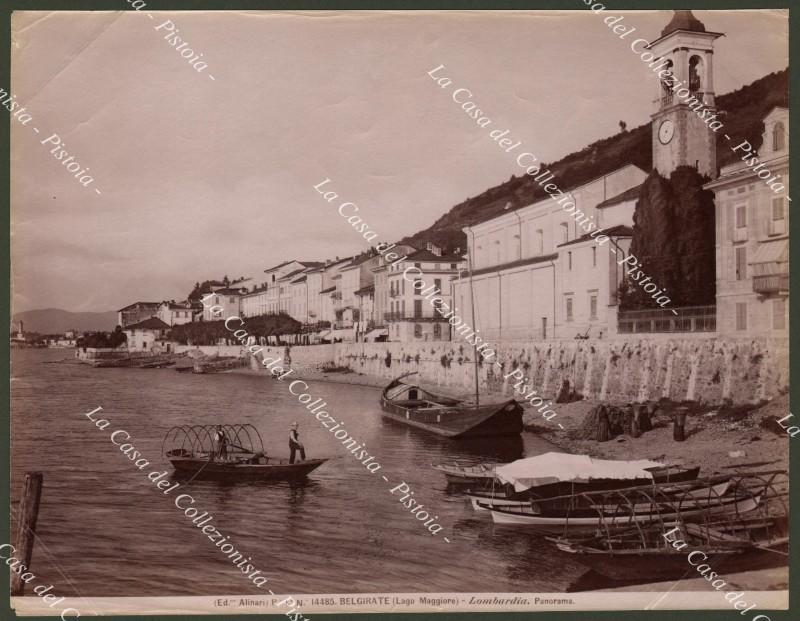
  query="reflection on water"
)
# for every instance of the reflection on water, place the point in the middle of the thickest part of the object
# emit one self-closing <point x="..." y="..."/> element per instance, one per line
<point x="112" y="532"/>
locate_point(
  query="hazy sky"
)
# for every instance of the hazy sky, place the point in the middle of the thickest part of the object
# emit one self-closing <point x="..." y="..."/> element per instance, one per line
<point x="201" y="177"/>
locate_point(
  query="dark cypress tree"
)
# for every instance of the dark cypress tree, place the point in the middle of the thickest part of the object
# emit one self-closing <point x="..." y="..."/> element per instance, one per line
<point x="695" y="239"/>
<point x="673" y="237"/>
<point x="653" y="242"/>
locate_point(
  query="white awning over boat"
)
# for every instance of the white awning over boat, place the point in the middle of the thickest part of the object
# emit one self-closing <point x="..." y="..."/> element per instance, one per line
<point x="558" y="467"/>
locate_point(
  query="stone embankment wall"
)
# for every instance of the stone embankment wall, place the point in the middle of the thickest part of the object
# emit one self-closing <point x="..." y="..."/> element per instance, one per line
<point x="307" y="357"/>
<point x="710" y="370"/>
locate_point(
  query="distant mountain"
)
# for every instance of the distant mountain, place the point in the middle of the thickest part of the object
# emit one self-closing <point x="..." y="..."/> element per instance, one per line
<point x="56" y="320"/>
<point x="743" y="112"/>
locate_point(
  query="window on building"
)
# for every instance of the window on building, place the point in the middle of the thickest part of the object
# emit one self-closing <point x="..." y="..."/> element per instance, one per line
<point x="741" y="262"/>
<point x="569" y="308"/>
<point x="403" y="286"/>
<point x="539" y="241"/>
<point x="453" y="266"/>
<point x="437" y="283"/>
<point x="418" y="288"/>
<point x="741" y="315"/>
<point x="417" y="331"/>
<point x="564" y="232"/>
<point x="569" y="260"/>
<point x="437" y="331"/>
<point x="741" y="216"/>
<point x="594" y="256"/>
<point x="778" y="208"/>
<point x="778" y="137"/>
<point x="779" y="314"/>
<point x="695" y="74"/>
<point x="593" y="306"/>
<point x="403" y="308"/>
<point x="417" y="265"/>
<point x="417" y="308"/>
<point x="666" y="84"/>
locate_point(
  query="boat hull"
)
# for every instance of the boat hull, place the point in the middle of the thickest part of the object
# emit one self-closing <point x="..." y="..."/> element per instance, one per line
<point x="460" y="421"/>
<point x="559" y="523"/>
<point x="486" y="494"/>
<point x="701" y="494"/>
<point x="274" y="469"/>
<point x="645" y="564"/>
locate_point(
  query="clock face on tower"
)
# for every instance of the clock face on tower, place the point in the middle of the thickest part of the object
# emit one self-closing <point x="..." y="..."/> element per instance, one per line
<point x="665" y="131"/>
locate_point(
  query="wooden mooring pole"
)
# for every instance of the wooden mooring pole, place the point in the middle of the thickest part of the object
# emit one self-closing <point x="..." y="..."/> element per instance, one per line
<point x="26" y="527"/>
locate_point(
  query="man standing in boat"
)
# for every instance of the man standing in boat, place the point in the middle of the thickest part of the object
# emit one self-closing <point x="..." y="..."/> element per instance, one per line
<point x="295" y="444"/>
<point x="222" y="444"/>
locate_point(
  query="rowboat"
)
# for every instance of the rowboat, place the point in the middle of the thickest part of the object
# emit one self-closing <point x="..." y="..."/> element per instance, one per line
<point x="620" y="516"/>
<point x="480" y="475"/>
<point x="558" y="474"/>
<point x="228" y="452"/>
<point x="573" y="484"/>
<point x="446" y="416"/>
<point x="241" y="468"/>
<point x="649" y="554"/>
<point x="481" y="503"/>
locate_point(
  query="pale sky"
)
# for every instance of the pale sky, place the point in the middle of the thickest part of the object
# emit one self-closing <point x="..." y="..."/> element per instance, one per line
<point x="201" y="177"/>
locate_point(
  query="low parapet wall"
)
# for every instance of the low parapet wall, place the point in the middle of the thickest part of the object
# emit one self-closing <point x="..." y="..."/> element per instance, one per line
<point x="710" y="370"/>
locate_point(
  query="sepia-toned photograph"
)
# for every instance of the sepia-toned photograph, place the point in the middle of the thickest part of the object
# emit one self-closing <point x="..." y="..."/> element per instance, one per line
<point x="399" y="311"/>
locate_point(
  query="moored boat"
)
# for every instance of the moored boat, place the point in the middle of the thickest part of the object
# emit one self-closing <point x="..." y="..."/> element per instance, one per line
<point x="646" y="554"/>
<point x="557" y="474"/>
<point x="700" y="491"/>
<point x="480" y="475"/>
<point x="553" y="475"/>
<point x="446" y="416"/>
<point x="620" y="516"/>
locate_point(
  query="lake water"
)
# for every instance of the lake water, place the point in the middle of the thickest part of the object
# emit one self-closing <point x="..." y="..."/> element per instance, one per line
<point x="106" y="531"/>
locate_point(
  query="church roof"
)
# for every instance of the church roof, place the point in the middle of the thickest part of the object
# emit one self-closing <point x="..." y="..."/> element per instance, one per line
<point x="683" y="20"/>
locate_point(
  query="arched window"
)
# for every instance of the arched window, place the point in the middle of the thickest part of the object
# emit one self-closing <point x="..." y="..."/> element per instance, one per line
<point x="778" y="137"/>
<point x="695" y="74"/>
<point x="666" y="84"/>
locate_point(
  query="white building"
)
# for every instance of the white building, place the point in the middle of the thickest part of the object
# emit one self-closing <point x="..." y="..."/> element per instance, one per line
<point x="144" y="335"/>
<point x="524" y="285"/>
<point x="752" y="236"/>
<point x="175" y="314"/>
<point x="410" y="317"/>
<point x="228" y="299"/>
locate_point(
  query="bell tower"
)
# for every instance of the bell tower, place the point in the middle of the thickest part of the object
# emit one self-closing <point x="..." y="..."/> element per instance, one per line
<point x="681" y="137"/>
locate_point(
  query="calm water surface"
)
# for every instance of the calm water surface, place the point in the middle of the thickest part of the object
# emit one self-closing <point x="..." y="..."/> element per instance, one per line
<point x="107" y="531"/>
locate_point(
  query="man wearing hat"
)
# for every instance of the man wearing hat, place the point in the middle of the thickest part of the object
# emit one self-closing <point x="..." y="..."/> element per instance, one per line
<point x="295" y="444"/>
